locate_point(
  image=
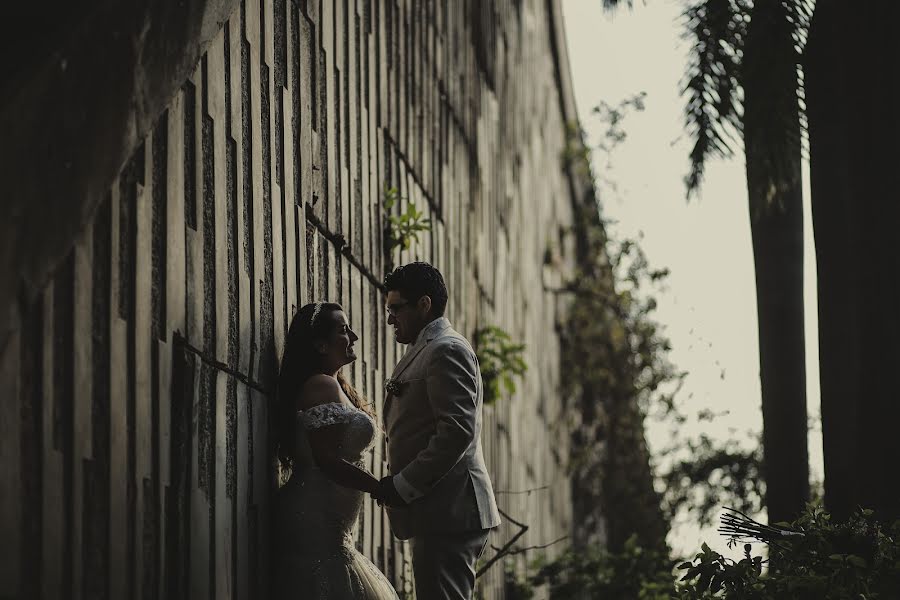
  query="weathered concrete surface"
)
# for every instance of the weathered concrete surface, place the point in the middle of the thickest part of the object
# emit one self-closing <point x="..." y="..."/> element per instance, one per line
<point x="81" y="87"/>
<point x="219" y="197"/>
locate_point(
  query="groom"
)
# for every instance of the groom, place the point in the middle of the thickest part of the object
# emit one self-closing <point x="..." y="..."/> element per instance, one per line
<point x="440" y="493"/>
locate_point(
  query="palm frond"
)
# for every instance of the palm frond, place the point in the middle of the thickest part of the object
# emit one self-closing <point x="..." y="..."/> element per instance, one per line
<point x="716" y="30"/>
<point x="612" y="5"/>
<point x="738" y="526"/>
<point x="800" y="15"/>
<point x="771" y="73"/>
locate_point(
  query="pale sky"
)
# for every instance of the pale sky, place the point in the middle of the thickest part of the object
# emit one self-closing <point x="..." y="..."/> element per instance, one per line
<point x="709" y="306"/>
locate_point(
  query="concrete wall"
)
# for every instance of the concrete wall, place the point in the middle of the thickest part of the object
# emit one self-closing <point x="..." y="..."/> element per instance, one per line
<point x="135" y="456"/>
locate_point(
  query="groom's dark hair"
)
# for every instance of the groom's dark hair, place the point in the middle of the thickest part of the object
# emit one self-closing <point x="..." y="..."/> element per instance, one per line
<point x="419" y="279"/>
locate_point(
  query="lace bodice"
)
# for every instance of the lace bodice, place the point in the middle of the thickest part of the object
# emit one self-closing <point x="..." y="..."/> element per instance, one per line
<point x="354" y="439"/>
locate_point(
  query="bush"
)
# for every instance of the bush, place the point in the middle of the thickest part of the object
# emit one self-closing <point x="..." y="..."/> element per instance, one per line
<point x="635" y="572"/>
<point x="812" y="558"/>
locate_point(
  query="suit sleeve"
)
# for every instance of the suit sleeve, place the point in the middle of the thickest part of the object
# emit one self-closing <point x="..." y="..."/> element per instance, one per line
<point x="452" y="387"/>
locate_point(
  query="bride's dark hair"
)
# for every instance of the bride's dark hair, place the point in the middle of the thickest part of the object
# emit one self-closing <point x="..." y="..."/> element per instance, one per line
<point x="299" y="362"/>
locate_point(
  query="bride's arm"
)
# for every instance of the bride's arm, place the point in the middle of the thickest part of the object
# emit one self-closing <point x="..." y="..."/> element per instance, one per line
<point x="323" y="442"/>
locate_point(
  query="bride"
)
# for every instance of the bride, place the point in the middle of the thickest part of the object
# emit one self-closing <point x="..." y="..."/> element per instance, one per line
<point x="324" y="430"/>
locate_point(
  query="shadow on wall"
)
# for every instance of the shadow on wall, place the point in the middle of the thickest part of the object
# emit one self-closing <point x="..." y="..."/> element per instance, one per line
<point x="90" y="82"/>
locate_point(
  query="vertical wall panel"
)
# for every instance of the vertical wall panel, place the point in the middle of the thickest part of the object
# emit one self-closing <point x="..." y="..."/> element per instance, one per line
<point x="31" y="396"/>
<point x="178" y="523"/>
<point x="118" y="426"/>
<point x="81" y="397"/>
<point x="286" y="93"/>
<point x="252" y="173"/>
<point x="63" y="404"/>
<point x="53" y="557"/>
<point x="11" y="509"/>
<point x="96" y="516"/>
<point x="159" y="367"/>
<point x="224" y="577"/>
<point x="201" y="573"/>
<point x="242" y="495"/>
<point x="259" y="504"/>
<point x="274" y="21"/>
<point x="145" y="527"/>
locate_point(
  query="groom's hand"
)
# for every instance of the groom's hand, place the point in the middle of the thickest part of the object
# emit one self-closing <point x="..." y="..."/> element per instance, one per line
<point x="387" y="494"/>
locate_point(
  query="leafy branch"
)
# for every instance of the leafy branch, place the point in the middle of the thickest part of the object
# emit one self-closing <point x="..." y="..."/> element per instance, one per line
<point x="402" y="230"/>
<point x="500" y="359"/>
<point x="577" y="154"/>
<point x="709" y="474"/>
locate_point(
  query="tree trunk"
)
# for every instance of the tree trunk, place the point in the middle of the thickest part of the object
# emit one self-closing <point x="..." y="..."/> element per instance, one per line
<point x="853" y="97"/>
<point x="772" y="144"/>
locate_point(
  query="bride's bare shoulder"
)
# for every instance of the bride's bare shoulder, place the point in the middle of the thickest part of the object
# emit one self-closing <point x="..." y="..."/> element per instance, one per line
<point x="320" y="389"/>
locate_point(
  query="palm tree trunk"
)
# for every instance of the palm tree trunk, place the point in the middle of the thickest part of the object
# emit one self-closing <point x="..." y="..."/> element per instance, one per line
<point x="772" y="144"/>
<point x="853" y="95"/>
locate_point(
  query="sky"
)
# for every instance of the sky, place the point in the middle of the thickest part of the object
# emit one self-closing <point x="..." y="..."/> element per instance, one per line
<point x="708" y="304"/>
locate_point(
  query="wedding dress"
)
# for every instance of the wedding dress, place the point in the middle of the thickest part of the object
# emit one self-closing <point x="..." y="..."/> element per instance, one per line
<point x="315" y="551"/>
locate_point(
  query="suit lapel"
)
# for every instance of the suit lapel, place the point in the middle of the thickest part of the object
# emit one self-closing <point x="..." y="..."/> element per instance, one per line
<point x="401" y="366"/>
<point x="407" y="360"/>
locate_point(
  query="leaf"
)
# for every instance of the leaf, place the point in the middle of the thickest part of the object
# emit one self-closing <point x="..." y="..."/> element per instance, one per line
<point x="390" y="197"/>
<point x="782" y="524"/>
<point x="857" y="561"/>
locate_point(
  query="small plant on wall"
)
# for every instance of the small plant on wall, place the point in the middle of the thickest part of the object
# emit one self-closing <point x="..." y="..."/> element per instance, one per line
<point x="401" y="230"/>
<point x="501" y="361"/>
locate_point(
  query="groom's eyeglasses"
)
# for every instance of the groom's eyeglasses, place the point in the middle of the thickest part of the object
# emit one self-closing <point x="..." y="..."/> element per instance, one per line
<point x="393" y="309"/>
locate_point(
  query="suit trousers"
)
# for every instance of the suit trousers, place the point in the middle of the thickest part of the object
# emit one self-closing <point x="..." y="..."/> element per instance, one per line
<point x="444" y="564"/>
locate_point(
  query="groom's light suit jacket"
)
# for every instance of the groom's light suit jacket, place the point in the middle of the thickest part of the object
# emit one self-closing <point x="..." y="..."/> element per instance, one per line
<point x="433" y="434"/>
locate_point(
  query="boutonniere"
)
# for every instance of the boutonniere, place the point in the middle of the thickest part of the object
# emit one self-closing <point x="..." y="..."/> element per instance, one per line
<point x="393" y="387"/>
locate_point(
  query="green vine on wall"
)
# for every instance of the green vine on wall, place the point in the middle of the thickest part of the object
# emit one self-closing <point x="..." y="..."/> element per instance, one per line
<point x="616" y="360"/>
<point x="500" y="359"/>
<point x="401" y="230"/>
<point x="618" y="371"/>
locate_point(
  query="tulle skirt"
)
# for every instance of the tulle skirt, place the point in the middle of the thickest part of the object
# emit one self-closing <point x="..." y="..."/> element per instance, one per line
<point x="342" y="574"/>
<point x="315" y="557"/>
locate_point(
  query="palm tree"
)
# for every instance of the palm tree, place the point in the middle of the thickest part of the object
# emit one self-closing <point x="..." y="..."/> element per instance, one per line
<point x="854" y="96"/>
<point x="743" y="84"/>
<point x="772" y="145"/>
<point x="744" y="80"/>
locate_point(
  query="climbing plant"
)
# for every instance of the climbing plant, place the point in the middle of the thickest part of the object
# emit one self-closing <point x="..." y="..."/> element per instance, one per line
<point x="616" y="359"/>
<point x="501" y="361"/>
<point x="617" y="369"/>
<point x="401" y="230"/>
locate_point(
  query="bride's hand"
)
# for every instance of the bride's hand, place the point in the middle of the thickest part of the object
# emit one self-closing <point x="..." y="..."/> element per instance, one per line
<point x="387" y="494"/>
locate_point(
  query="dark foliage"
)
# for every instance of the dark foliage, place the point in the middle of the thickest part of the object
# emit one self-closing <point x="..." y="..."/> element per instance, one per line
<point x="815" y="558"/>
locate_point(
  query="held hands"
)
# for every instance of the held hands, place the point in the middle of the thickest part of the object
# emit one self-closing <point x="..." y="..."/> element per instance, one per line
<point x="386" y="494"/>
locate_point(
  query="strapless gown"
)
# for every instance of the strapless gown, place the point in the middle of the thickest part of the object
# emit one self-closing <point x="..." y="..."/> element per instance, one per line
<point x="315" y="553"/>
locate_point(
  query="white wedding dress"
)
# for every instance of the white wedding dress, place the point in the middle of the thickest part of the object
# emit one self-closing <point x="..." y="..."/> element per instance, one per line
<point x="314" y="518"/>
